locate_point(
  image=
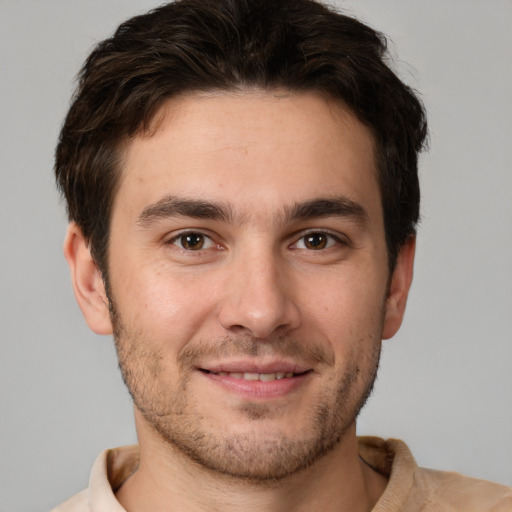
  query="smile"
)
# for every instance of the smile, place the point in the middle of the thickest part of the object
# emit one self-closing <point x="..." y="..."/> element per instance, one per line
<point x="266" y="384"/>
<point x="264" y="377"/>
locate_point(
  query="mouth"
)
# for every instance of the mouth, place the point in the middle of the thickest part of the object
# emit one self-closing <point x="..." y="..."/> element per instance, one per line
<point x="253" y="376"/>
<point x="258" y="382"/>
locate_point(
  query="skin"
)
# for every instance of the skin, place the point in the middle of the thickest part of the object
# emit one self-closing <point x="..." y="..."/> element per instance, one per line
<point x="247" y="235"/>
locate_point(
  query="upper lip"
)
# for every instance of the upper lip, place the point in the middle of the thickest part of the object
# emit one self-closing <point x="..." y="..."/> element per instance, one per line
<point x="246" y="366"/>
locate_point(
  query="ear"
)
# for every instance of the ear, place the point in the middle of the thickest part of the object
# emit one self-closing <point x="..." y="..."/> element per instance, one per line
<point x="87" y="282"/>
<point x="399" y="286"/>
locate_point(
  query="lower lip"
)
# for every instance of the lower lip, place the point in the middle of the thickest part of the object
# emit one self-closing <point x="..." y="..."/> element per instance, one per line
<point x="257" y="389"/>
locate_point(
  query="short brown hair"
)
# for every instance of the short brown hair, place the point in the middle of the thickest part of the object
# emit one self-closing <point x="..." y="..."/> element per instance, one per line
<point x="199" y="45"/>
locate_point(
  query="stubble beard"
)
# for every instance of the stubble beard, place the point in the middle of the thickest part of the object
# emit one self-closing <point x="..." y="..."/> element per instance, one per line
<point x="248" y="456"/>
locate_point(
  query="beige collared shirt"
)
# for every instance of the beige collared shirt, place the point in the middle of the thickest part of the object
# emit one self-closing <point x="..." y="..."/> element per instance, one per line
<point x="410" y="488"/>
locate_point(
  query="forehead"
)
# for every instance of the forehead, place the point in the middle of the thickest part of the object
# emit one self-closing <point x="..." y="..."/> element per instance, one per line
<point x="257" y="150"/>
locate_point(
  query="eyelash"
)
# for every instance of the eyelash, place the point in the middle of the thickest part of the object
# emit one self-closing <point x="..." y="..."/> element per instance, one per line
<point x="181" y="236"/>
<point x="330" y="240"/>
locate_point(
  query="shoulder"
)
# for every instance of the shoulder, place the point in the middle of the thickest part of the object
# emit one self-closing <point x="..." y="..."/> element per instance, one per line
<point x="110" y="470"/>
<point x="413" y="489"/>
<point x="458" y="492"/>
<point x="78" y="503"/>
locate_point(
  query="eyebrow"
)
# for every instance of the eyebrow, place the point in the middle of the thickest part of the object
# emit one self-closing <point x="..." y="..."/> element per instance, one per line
<point x="338" y="206"/>
<point x="171" y="206"/>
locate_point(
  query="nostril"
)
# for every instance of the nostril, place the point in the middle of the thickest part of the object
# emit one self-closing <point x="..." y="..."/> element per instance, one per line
<point x="237" y="329"/>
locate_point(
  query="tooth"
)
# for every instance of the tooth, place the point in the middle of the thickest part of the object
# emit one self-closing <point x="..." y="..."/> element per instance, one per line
<point x="265" y="377"/>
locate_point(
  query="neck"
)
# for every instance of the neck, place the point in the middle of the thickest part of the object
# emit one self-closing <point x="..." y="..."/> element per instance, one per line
<point x="168" y="481"/>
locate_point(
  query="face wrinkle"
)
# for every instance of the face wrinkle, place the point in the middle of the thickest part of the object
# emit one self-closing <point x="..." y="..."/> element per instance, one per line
<point x="160" y="354"/>
<point x="237" y="456"/>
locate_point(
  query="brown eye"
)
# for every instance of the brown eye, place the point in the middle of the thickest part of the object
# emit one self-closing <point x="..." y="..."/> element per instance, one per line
<point x="192" y="241"/>
<point x="316" y="241"/>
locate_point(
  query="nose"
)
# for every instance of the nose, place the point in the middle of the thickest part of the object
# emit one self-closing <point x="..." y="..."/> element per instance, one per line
<point x="258" y="297"/>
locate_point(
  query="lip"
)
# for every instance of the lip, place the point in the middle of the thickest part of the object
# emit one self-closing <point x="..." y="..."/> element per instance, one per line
<point x="245" y="366"/>
<point x="256" y="390"/>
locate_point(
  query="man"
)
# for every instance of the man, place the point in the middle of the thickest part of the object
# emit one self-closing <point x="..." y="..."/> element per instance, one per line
<point x="241" y="181"/>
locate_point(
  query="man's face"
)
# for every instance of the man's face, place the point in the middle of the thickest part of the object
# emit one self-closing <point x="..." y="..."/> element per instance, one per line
<point x="248" y="278"/>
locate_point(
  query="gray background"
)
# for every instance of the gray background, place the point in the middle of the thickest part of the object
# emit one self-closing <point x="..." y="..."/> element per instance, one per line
<point x="445" y="381"/>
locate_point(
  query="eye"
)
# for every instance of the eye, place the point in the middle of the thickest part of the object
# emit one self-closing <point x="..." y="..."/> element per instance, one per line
<point x="192" y="241"/>
<point x="316" y="241"/>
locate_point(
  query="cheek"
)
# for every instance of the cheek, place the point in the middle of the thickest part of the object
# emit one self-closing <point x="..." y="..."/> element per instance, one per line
<point x="165" y="306"/>
<point x="346" y="301"/>
<point x="347" y="313"/>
